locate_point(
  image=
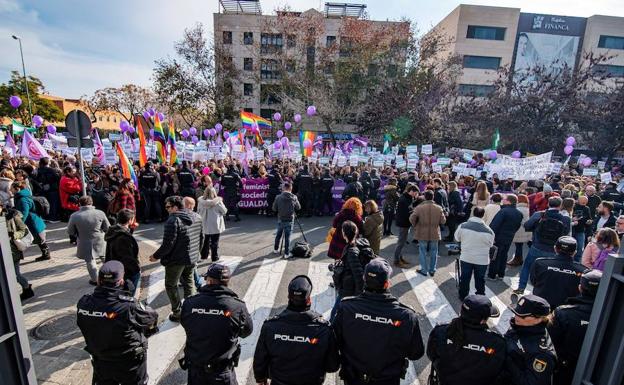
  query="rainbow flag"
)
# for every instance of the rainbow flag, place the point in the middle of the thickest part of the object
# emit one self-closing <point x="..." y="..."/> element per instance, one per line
<point x="126" y="166"/>
<point x="142" y="142"/>
<point x="249" y="119"/>
<point x="161" y="142"/>
<point x="171" y="140"/>
<point x="303" y="135"/>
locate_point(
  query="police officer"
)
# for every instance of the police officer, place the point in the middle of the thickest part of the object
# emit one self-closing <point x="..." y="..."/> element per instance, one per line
<point x="531" y="355"/>
<point x="296" y="346"/>
<point x="186" y="179"/>
<point x="367" y="184"/>
<point x="303" y="189"/>
<point x="376" y="333"/>
<point x="557" y="278"/>
<point x="376" y="184"/>
<point x="569" y="325"/>
<point x="275" y="184"/>
<point x="114" y="326"/>
<point x="354" y="189"/>
<point x="457" y="348"/>
<point x="326" y="199"/>
<point x="149" y="183"/>
<point x="232" y="185"/>
<point x="213" y="320"/>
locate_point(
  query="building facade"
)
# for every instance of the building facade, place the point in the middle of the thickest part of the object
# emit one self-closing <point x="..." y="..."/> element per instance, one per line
<point x="487" y="38"/>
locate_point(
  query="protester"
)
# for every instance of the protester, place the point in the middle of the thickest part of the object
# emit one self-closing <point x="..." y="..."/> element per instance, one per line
<point x="351" y="211"/>
<point x="619" y="227"/>
<point x="351" y="280"/>
<point x="605" y="217"/>
<point x="48" y="179"/>
<point x="23" y="201"/>
<point x="391" y="198"/>
<point x="232" y="186"/>
<point x="285" y="205"/>
<point x="122" y="246"/>
<point x="426" y="220"/>
<point x="211" y="208"/>
<point x="189" y="207"/>
<point x="505" y="224"/>
<point x="17" y="230"/>
<point x="403" y="223"/>
<point x="596" y="253"/>
<point x="456" y="210"/>
<point x="491" y="209"/>
<point x="580" y="216"/>
<point x="70" y="189"/>
<point x="522" y="236"/>
<point x="123" y="199"/>
<point x="373" y="225"/>
<point x="481" y="196"/>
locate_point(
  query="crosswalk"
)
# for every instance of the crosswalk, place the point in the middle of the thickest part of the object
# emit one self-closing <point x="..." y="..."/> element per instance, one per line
<point x="262" y="284"/>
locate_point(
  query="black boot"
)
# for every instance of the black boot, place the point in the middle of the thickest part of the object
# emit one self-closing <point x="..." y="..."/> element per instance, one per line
<point x="27" y="293"/>
<point x="45" y="253"/>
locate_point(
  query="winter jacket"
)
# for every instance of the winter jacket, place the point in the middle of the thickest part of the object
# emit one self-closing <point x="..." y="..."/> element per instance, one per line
<point x="505" y="224"/>
<point x="426" y="219"/>
<point x="48" y="178"/>
<point x="121" y="246"/>
<point x="24" y="204"/>
<point x="181" y="239"/>
<point x="539" y="201"/>
<point x="391" y="197"/>
<point x="5" y="192"/>
<point x="212" y="212"/>
<point x="352" y="282"/>
<point x="337" y="244"/>
<point x="456" y="205"/>
<point x="17" y="230"/>
<point x="592" y="252"/>
<point x="490" y="212"/>
<point x="285" y="205"/>
<point x="123" y="200"/>
<point x="89" y="225"/>
<point x="69" y="187"/>
<point x="533" y="224"/>
<point x="372" y="230"/>
<point x="522" y="236"/>
<point x="440" y="197"/>
<point x="476" y="238"/>
<point x="404" y="210"/>
<point x="582" y="215"/>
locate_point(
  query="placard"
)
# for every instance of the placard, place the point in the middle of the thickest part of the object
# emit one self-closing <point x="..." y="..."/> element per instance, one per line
<point x="324" y="160"/>
<point x="412" y="163"/>
<point x="411" y="148"/>
<point x="437" y="167"/>
<point x="602" y="164"/>
<point x="443" y="161"/>
<point x="342" y="161"/>
<point x="400" y="163"/>
<point x="427" y="149"/>
<point x="590" y="172"/>
<point x="353" y="160"/>
<point x="605" y="177"/>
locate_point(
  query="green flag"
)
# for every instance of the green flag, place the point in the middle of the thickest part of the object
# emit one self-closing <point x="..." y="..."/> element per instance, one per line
<point x="495" y="140"/>
<point x="386" y="148"/>
<point x="18" y="129"/>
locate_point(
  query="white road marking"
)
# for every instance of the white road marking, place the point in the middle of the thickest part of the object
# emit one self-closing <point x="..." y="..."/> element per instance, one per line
<point x="437" y="308"/>
<point x="513" y="283"/>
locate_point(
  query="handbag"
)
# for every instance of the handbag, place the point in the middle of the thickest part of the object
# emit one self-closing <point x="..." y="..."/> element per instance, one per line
<point x="24" y="242"/>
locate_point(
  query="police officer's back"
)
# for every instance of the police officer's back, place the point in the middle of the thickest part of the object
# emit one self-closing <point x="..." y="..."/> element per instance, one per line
<point x="531" y="355"/>
<point x="327" y="183"/>
<point x="569" y="325"/>
<point x="275" y="183"/>
<point x="232" y="184"/>
<point x="557" y="278"/>
<point x="376" y="184"/>
<point x="114" y="326"/>
<point x="296" y="346"/>
<point x="376" y="333"/>
<point x="186" y="179"/>
<point x="213" y="320"/>
<point x="466" y="351"/>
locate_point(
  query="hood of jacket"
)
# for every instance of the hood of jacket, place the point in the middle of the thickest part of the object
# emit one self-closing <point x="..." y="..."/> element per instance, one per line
<point x="23" y="193"/>
<point x="115" y="232"/>
<point x="376" y="218"/>
<point x="184" y="216"/>
<point x="389" y="187"/>
<point x="211" y="202"/>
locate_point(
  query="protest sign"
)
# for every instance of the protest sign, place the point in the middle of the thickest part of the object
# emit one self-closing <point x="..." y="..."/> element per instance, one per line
<point x="342" y="161"/>
<point x="412" y="163"/>
<point x="605" y="177"/>
<point x="590" y="172"/>
<point x="535" y="167"/>
<point x="601" y="165"/>
<point x="411" y="148"/>
<point x="400" y="163"/>
<point x="353" y="160"/>
<point x="427" y="149"/>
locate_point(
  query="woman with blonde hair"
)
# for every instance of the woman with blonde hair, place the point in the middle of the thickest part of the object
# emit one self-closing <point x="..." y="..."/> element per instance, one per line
<point x="481" y="196"/>
<point x="212" y="209"/>
<point x="351" y="211"/>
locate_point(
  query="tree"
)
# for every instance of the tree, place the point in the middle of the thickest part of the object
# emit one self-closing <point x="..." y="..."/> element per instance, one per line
<point x="126" y="100"/>
<point x="40" y="106"/>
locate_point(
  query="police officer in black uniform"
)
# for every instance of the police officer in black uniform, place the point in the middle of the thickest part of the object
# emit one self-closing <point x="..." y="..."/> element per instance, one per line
<point x="376" y="333"/>
<point x="303" y="189"/>
<point x="557" y="278"/>
<point x="326" y="199"/>
<point x="376" y="184"/>
<point x="186" y="179"/>
<point x="213" y="320"/>
<point x="467" y="343"/>
<point x="296" y="346"/>
<point x="232" y="185"/>
<point x="149" y="183"/>
<point x="569" y="325"/>
<point x="367" y="184"/>
<point x="275" y="185"/>
<point x="114" y="326"/>
<point x="531" y="355"/>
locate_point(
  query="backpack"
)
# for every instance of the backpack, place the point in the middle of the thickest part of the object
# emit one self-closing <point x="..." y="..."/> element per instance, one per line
<point x="301" y="249"/>
<point x="549" y="229"/>
<point x="42" y="206"/>
<point x="366" y="253"/>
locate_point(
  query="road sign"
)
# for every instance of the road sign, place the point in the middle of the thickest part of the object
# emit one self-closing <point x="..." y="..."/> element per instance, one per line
<point x="78" y="123"/>
<point x="84" y="142"/>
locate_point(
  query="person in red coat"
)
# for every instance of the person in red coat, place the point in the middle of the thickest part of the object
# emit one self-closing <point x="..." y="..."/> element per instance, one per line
<point x="70" y="189"/>
<point x="124" y="199"/>
<point x="351" y="211"/>
<point x="539" y="200"/>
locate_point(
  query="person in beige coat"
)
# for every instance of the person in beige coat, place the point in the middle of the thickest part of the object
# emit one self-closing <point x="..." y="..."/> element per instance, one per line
<point x="522" y="236"/>
<point x="373" y="225"/>
<point x="426" y="220"/>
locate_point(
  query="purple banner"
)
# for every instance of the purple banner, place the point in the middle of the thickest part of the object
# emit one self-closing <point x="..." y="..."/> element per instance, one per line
<point x="254" y="194"/>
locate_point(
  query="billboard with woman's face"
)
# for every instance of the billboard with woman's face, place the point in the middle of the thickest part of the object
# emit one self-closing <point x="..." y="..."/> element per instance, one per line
<point x="545" y="50"/>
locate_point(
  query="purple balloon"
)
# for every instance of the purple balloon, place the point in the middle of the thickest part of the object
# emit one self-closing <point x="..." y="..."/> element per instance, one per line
<point x="297" y="118"/>
<point x="587" y="162"/>
<point x="161" y="116"/>
<point x="277" y="116"/>
<point x="193" y="131"/>
<point x="206" y="132"/>
<point x="307" y="143"/>
<point x="151" y="111"/>
<point x="277" y="145"/>
<point x="279" y="133"/>
<point x="516" y="154"/>
<point x="212" y="132"/>
<point x="568" y="149"/>
<point x="287" y="125"/>
<point x="124" y="125"/>
<point x="284" y="141"/>
<point x="194" y="139"/>
<point x="226" y="134"/>
<point x="185" y="133"/>
<point x="51" y="129"/>
<point x="493" y="154"/>
<point x="15" y="101"/>
<point x="311" y="111"/>
<point x="131" y="130"/>
<point x="570" y="141"/>
<point x="146" y="115"/>
<point x="151" y="132"/>
<point x="37" y="120"/>
<point x="218" y="127"/>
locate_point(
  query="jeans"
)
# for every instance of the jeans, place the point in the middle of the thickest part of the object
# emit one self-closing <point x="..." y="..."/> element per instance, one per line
<point x="135" y="279"/>
<point x="498" y="265"/>
<point x="466" y="270"/>
<point x="173" y="275"/>
<point x="20" y="278"/>
<point x="580" y="245"/>
<point x="286" y="229"/>
<point x="429" y="258"/>
<point x="210" y="247"/>
<point x="398" y="252"/>
<point x="388" y="214"/>
<point x="531" y="256"/>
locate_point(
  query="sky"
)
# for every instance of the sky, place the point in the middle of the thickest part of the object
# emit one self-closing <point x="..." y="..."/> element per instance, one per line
<point x="79" y="46"/>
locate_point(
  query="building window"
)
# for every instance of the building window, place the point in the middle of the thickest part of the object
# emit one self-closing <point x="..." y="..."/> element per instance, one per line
<point x="271" y="42"/>
<point x="269" y="69"/>
<point x="330" y="68"/>
<point x="330" y="41"/>
<point x="250" y="110"/>
<point x="345" y="47"/>
<point x="290" y="66"/>
<point x="248" y="64"/>
<point x="482" y="62"/>
<point x="478" y="90"/>
<point x="612" y="42"/>
<point x="392" y="70"/>
<point x="227" y="37"/>
<point x="248" y="38"/>
<point x="270" y="94"/>
<point x="291" y="41"/>
<point x="247" y="89"/>
<point x="310" y="57"/>
<point x="372" y="69"/>
<point x="267" y="113"/>
<point x="608" y="70"/>
<point x="486" y="33"/>
<point x="101" y="118"/>
<point x="114" y="119"/>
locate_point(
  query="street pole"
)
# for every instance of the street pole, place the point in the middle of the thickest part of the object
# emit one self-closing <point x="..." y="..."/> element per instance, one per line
<point x="79" y="145"/>
<point x="19" y="40"/>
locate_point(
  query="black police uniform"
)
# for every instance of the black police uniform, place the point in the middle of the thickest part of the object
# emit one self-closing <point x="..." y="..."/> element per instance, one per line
<point x="213" y="320"/>
<point x="295" y="348"/>
<point x="374" y="189"/>
<point x="367" y="184"/>
<point x="302" y="187"/>
<point x="149" y="183"/>
<point x="556" y="279"/>
<point x="186" y="179"/>
<point x="232" y="185"/>
<point x="275" y="185"/>
<point x="376" y="333"/>
<point x="326" y="200"/>
<point x="114" y="325"/>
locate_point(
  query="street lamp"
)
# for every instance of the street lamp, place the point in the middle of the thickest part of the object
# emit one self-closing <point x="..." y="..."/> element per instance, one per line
<point x="24" y="71"/>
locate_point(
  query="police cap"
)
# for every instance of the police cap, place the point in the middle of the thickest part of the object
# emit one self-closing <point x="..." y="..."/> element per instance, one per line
<point x="300" y="289"/>
<point x="590" y="281"/>
<point x="111" y="272"/>
<point x="566" y="245"/>
<point x="531" y="305"/>
<point x="218" y="271"/>
<point x="376" y="273"/>
<point x="478" y="307"/>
